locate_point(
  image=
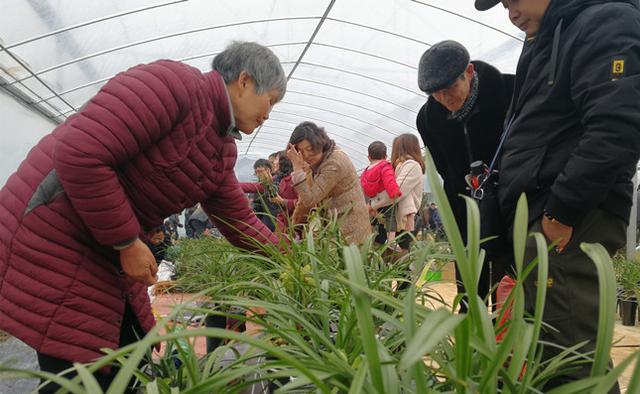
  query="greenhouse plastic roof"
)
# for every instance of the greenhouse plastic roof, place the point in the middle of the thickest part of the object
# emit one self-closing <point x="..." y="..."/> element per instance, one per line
<point x="351" y="64"/>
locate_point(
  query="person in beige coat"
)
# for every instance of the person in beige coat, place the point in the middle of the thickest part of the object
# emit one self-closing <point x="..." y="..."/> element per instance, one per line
<point x="409" y="166"/>
<point x="324" y="175"/>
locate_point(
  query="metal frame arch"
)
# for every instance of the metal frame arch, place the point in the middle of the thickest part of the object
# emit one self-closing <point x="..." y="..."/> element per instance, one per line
<point x="339" y="114"/>
<point x="199" y="56"/>
<point x="339" y="69"/>
<point x="163" y="37"/>
<point x="332" y="134"/>
<point x="351" y="104"/>
<point x="324" y="121"/>
<point x="185" y="59"/>
<point x="91" y="22"/>
<point x="356" y="92"/>
<point x="46" y="85"/>
<point x="468" y="19"/>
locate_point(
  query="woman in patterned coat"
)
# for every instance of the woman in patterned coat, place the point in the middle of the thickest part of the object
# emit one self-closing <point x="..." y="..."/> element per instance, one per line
<point x="324" y="175"/>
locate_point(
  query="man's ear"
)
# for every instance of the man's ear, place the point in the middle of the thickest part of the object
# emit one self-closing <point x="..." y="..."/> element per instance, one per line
<point x="469" y="70"/>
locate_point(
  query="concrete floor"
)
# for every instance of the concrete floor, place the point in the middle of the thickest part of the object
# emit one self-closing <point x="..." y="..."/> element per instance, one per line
<point x="18" y="355"/>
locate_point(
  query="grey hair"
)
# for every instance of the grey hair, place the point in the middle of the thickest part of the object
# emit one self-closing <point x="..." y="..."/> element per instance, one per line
<point x="256" y="60"/>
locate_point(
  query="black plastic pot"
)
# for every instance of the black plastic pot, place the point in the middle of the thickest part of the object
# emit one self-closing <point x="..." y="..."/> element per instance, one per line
<point x="233" y="323"/>
<point x="619" y="298"/>
<point x="213" y="321"/>
<point x="628" y="310"/>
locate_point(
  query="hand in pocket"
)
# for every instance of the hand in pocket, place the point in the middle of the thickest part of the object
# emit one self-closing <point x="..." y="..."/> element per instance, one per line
<point x="556" y="232"/>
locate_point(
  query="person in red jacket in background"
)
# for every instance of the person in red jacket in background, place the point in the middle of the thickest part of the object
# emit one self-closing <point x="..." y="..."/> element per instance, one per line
<point x="155" y="139"/>
<point x="380" y="187"/>
<point x="263" y="191"/>
<point x="286" y="197"/>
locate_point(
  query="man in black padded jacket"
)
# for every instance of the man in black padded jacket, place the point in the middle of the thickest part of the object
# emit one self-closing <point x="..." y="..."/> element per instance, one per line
<point x="573" y="148"/>
<point x="461" y="123"/>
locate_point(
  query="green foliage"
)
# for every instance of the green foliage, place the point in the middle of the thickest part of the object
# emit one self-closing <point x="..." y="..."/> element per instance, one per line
<point x="439" y="253"/>
<point x="333" y="322"/>
<point x="202" y="264"/>
<point x="627" y="276"/>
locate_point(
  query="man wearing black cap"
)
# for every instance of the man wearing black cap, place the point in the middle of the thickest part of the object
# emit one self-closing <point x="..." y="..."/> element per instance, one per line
<point x="461" y="123"/>
<point x="573" y="147"/>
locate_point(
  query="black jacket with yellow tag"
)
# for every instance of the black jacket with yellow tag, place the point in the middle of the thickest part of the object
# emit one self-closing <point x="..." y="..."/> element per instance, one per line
<point x="574" y="142"/>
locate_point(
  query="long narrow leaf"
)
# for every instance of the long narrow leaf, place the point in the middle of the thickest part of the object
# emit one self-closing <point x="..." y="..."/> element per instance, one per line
<point x="606" y="318"/>
<point x="88" y="380"/>
<point x="463" y="355"/>
<point x="520" y="227"/>
<point x="542" y="262"/>
<point x="152" y="387"/>
<point x="473" y="244"/>
<point x="391" y="380"/>
<point x="578" y="386"/>
<point x="437" y="326"/>
<point x="446" y="214"/>
<point x="611" y="378"/>
<point x="67" y="384"/>
<point x="490" y="374"/>
<point x="362" y="306"/>
<point x="410" y="324"/>
<point x="634" y="382"/>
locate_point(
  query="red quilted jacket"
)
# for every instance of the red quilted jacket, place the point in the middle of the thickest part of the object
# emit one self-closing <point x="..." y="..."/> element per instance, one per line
<point x="152" y="142"/>
<point x="378" y="178"/>
<point x="288" y="193"/>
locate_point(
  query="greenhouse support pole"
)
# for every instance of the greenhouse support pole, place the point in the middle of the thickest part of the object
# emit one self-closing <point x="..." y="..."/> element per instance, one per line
<point x="631" y="230"/>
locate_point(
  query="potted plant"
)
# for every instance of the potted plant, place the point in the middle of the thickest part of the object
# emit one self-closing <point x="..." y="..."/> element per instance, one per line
<point x="209" y="265"/>
<point x="437" y="254"/>
<point x="627" y="272"/>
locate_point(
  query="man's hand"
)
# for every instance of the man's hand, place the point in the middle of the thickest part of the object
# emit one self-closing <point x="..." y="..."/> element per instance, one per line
<point x="138" y="263"/>
<point x="556" y="231"/>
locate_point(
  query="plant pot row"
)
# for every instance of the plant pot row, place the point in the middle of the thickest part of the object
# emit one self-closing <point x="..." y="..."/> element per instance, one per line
<point x="628" y="308"/>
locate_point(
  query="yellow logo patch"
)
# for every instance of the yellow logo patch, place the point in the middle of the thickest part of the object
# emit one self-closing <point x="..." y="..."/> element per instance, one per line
<point x="617" y="68"/>
<point x="549" y="283"/>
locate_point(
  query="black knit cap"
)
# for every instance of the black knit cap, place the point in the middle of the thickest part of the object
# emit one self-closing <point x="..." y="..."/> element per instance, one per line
<point x="441" y="65"/>
<point x="483" y="5"/>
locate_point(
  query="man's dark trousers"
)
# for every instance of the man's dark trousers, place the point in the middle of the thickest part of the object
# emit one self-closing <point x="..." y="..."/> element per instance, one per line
<point x="572" y="288"/>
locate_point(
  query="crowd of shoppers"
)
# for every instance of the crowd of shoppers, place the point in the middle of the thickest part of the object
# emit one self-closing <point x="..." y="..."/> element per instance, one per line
<point x="86" y="218"/>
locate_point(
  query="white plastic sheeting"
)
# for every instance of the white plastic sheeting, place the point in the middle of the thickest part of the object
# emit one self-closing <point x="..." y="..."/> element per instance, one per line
<point x="20" y="129"/>
<point x="352" y="64"/>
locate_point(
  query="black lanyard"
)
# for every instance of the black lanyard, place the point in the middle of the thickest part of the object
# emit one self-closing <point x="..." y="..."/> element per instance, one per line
<point x="468" y="141"/>
<point x="502" y="139"/>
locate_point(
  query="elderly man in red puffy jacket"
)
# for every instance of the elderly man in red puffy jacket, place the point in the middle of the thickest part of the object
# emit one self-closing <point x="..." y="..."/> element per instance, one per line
<point x="156" y="139"/>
